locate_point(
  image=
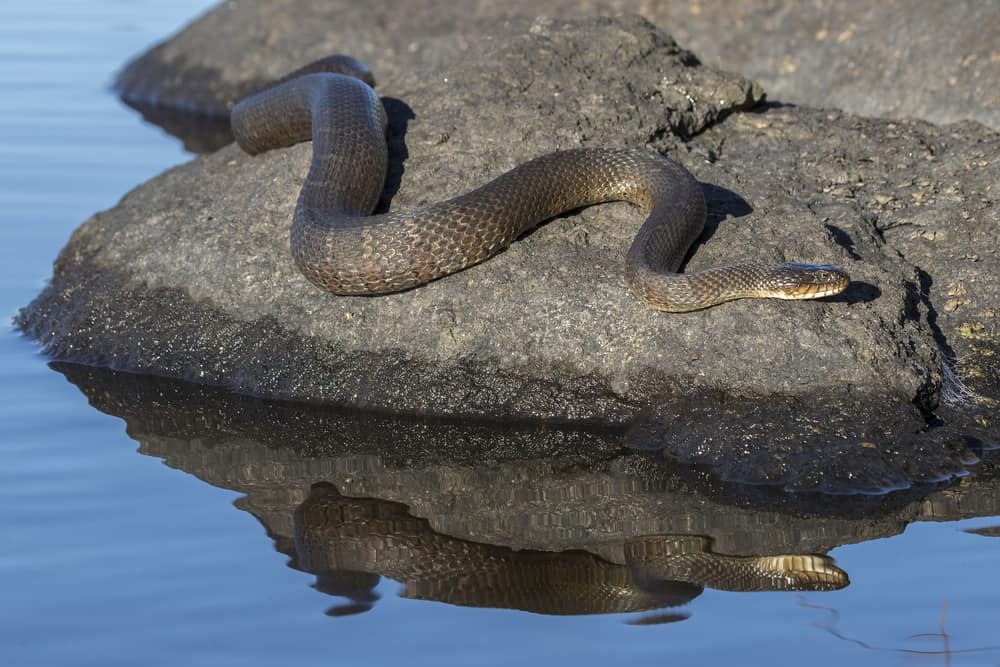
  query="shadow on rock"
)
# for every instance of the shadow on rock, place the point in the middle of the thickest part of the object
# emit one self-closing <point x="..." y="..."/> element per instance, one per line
<point x="722" y="203"/>
<point x="400" y="114"/>
<point x="858" y="291"/>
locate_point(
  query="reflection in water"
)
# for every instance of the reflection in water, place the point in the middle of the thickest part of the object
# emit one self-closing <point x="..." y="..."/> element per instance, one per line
<point x="947" y="650"/>
<point x="358" y="587"/>
<point x="659" y="619"/>
<point x="986" y="531"/>
<point x="340" y="539"/>
<point x="690" y="558"/>
<point x="200" y="133"/>
<point x="537" y="517"/>
<point x="335" y="534"/>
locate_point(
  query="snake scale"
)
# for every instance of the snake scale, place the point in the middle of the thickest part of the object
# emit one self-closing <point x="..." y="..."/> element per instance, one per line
<point x="340" y="246"/>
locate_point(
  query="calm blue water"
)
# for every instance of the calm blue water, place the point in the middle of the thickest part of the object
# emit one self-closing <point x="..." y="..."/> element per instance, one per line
<point x="109" y="557"/>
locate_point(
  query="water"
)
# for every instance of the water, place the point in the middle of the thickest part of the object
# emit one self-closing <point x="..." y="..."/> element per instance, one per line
<point x="109" y="557"/>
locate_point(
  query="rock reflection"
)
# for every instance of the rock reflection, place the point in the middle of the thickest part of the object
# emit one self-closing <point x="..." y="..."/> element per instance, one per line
<point x="200" y="133"/>
<point x="546" y="518"/>
<point x="986" y="531"/>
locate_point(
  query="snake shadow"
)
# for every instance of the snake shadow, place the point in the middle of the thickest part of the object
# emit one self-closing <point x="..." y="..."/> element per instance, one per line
<point x="857" y="291"/>
<point x="399" y="114"/>
<point x="720" y="204"/>
<point x="723" y="203"/>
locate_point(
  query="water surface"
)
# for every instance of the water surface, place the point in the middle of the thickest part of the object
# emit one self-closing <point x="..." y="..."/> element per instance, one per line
<point x="109" y="557"/>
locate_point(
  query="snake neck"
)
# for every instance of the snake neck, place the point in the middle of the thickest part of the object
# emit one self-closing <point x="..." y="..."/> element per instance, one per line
<point x="689" y="558"/>
<point x="685" y="292"/>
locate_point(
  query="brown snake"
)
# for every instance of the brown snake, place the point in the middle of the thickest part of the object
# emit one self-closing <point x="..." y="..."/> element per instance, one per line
<point x="339" y="246"/>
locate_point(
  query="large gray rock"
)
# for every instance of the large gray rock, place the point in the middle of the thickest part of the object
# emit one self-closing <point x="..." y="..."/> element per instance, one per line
<point x="938" y="61"/>
<point x="552" y="313"/>
<point x="190" y="276"/>
<point x="933" y="60"/>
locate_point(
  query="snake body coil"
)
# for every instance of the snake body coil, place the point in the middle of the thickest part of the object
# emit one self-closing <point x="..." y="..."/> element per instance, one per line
<point x="339" y="246"/>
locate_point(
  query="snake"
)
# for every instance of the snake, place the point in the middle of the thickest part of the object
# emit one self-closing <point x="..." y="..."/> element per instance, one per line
<point x="339" y="245"/>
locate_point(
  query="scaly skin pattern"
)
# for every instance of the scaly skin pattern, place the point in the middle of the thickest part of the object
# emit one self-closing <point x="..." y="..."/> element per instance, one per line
<point x="339" y="246"/>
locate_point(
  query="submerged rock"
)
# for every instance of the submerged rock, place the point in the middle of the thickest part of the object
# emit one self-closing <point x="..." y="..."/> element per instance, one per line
<point x="190" y="276"/>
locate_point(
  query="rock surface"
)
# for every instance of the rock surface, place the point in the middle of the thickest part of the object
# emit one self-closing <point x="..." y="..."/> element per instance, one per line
<point x="212" y="236"/>
<point x="190" y="276"/>
<point x="936" y="61"/>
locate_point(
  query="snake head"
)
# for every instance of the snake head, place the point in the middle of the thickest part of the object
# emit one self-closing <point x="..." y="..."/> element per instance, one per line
<point x="809" y="281"/>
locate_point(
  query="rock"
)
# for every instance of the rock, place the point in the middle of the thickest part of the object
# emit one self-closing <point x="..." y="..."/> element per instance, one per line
<point x="922" y="192"/>
<point x="545" y="326"/>
<point x="190" y="276"/>
<point x="936" y="61"/>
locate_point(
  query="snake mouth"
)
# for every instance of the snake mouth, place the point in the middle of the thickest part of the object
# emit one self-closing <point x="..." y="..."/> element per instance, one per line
<point x="810" y="281"/>
<point x="812" y="292"/>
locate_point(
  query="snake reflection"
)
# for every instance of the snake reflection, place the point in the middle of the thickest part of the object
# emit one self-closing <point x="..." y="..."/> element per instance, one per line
<point x="349" y="543"/>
